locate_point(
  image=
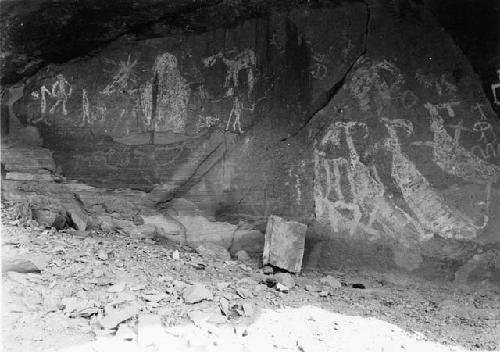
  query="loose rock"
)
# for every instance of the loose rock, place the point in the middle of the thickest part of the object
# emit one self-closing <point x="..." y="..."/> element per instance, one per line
<point x="197" y="293"/>
<point x="176" y="255"/>
<point x="330" y="281"/>
<point x="213" y="251"/>
<point x="282" y="288"/>
<point x="268" y="269"/>
<point x="285" y="279"/>
<point x="242" y="256"/>
<point x="115" y="317"/>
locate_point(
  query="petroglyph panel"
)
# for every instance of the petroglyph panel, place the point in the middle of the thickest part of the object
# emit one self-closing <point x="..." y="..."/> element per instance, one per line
<point x="366" y="207"/>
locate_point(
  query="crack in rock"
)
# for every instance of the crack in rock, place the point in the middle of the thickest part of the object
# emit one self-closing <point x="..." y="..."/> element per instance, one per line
<point x="330" y="94"/>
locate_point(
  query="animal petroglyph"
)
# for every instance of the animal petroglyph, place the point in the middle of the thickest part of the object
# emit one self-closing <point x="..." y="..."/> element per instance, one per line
<point x="244" y="60"/>
<point x="61" y="90"/>
<point x="122" y="77"/>
<point x="429" y="207"/>
<point x="371" y="78"/>
<point x="173" y="95"/>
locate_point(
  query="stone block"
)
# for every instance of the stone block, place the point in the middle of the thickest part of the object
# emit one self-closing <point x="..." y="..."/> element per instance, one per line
<point x="284" y="244"/>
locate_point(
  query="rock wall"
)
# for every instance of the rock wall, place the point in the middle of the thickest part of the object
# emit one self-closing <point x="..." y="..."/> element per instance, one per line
<point x="373" y="130"/>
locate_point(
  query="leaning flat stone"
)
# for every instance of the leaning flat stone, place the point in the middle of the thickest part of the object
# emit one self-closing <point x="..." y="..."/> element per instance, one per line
<point x="197" y="293"/>
<point x="284" y="244"/>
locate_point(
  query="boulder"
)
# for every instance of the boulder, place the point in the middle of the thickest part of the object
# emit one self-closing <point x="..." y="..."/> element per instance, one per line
<point x="285" y="279"/>
<point x="284" y="244"/>
<point x="242" y="256"/>
<point x="214" y="251"/>
<point x="199" y="229"/>
<point x="166" y="227"/>
<point x="78" y="216"/>
<point x="106" y="223"/>
<point x="25" y="263"/>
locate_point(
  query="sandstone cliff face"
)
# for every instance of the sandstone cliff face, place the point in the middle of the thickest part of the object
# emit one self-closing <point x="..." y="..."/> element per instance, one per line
<point x="368" y="128"/>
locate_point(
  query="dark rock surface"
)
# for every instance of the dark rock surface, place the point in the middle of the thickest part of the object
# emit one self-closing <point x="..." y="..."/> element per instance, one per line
<point x="330" y="116"/>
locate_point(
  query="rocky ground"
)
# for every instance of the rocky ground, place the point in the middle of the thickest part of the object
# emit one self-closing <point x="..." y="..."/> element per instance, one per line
<point x="94" y="291"/>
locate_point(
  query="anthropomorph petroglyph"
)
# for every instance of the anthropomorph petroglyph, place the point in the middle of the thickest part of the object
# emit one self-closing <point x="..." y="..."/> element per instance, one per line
<point x="235" y="114"/>
<point x="61" y="90"/>
<point x="429" y="207"/>
<point x="483" y="125"/>
<point x="172" y="95"/>
<point x="122" y="76"/>
<point x="244" y="60"/>
<point x="495" y="87"/>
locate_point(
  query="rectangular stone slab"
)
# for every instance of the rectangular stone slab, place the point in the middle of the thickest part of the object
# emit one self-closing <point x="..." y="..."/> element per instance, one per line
<point x="284" y="244"/>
